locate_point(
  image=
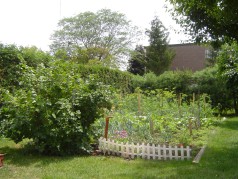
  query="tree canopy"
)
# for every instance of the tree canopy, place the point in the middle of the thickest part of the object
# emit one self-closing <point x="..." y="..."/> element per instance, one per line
<point x="214" y="20"/>
<point x="105" y="35"/>
<point x="158" y="55"/>
<point x="136" y="63"/>
<point x="228" y="69"/>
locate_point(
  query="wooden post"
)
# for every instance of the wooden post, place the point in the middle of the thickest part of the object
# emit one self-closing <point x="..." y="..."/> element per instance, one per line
<point x="1" y="159"/>
<point x="190" y="127"/>
<point x="179" y="104"/>
<point x="139" y="104"/>
<point x="106" y="127"/>
<point x="151" y="127"/>
<point x="199" y="111"/>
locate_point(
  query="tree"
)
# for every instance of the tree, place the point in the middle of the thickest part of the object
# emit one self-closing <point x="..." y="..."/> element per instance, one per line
<point x="207" y="20"/>
<point x="55" y="108"/>
<point x="158" y="55"/>
<point x="137" y="61"/>
<point x="228" y="69"/>
<point x="105" y="34"/>
<point x="11" y="60"/>
<point x="34" y="56"/>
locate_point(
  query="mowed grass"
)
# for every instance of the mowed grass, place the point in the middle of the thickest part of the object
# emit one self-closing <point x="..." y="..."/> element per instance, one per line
<point x="220" y="160"/>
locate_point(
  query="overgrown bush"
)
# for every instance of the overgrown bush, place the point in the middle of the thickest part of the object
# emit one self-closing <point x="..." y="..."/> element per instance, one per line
<point x="11" y="60"/>
<point x="10" y="69"/>
<point x="116" y="78"/>
<point x="55" y="108"/>
<point x="228" y="70"/>
<point x="208" y="81"/>
<point x="178" y="81"/>
<point x="170" y="80"/>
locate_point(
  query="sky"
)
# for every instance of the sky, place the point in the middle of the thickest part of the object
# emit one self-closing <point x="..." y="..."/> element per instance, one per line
<point x="32" y="22"/>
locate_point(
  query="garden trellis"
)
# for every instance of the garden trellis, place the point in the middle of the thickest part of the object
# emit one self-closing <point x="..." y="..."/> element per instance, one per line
<point x="145" y="151"/>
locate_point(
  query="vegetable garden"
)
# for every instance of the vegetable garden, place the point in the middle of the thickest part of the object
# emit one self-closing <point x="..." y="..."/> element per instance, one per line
<point x="158" y="117"/>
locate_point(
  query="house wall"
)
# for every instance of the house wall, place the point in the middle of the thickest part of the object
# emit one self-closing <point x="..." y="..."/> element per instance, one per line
<point x="188" y="57"/>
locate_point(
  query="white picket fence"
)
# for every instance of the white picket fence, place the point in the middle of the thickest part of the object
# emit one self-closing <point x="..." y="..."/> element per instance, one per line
<point x="145" y="151"/>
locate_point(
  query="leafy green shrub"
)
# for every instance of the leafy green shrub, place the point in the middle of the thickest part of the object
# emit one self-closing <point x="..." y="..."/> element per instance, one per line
<point x="170" y="80"/>
<point x="147" y="81"/>
<point x="208" y="81"/>
<point x="10" y="69"/>
<point x="177" y="81"/>
<point x="228" y="70"/>
<point x="55" y="108"/>
<point x="11" y="60"/>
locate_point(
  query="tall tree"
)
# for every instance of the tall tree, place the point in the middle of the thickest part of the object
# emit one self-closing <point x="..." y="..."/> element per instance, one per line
<point x="205" y="20"/>
<point x="158" y="55"/>
<point x="105" y="34"/>
<point x="137" y="61"/>
<point x="228" y="69"/>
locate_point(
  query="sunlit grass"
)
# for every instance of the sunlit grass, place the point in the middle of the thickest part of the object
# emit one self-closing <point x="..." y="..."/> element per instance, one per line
<point x="219" y="161"/>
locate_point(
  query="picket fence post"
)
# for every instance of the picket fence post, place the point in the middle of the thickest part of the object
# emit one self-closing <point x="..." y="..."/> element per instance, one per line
<point x="145" y="151"/>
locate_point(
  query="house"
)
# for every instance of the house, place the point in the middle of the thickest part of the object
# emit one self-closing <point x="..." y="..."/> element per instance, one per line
<point x="190" y="57"/>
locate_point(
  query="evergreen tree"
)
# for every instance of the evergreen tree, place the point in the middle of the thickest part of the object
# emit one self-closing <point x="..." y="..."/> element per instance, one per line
<point x="158" y="55"/>
<point x="137" y="61"/>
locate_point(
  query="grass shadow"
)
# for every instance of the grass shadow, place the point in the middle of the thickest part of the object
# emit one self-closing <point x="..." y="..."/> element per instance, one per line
<point x="22" y="157"/>
<point x="230" y="124"/>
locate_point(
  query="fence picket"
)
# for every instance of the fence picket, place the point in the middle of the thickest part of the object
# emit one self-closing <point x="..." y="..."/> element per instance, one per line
<point x="170" y="152"/>
<point x="159" y="152"/>
<point x="148" y="151"/>
<point x="176" y="152"/>
<point x="145" y="151"/>
<point x="153" y="151"/>
<point x="182" y="152"/>
<point x="164" y="152"/>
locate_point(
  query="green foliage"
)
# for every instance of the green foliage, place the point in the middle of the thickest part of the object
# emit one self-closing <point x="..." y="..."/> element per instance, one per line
<point x="34" y="56"/>
<point x="158" y="56"/>
<point x="228" y="69"/>
<point x="171" y="80"/>
<point x="105" y="35"/>
<point x="55" y="108"/>
<point x="114" y="77"/>
<point x="10" y="66"/>
<point x="207" y="20"/>
<point x="208" y="81"/>
<point x="159" y="116"/>
<point x="179" y="81"/>
<point x="136" y="63"/>
<point x="145" y="82"/>
<point x="12" y="59"/>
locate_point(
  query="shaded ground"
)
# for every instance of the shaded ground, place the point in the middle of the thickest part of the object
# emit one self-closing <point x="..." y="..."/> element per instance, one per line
<point x="220" y="160"/>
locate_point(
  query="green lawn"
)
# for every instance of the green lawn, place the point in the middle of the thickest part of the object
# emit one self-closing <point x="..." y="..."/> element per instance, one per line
<point x="220" y="160"/>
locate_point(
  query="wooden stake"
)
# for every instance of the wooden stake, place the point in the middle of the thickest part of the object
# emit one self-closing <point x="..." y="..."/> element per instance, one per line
<point x="106" y="127"/>
<point x="139" y="104"/>
<point x="190" y="127"/>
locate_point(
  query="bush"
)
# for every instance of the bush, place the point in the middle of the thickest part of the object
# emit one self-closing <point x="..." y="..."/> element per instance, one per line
<point x="208" y="81"/>
<point x="171" y="80"/>
<point x="55" y="108"/>
<point x="10" y="69"/>
<point x="147" y="81"/>
<point x="11" y="60"/>
<point x="179" y="81"/>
